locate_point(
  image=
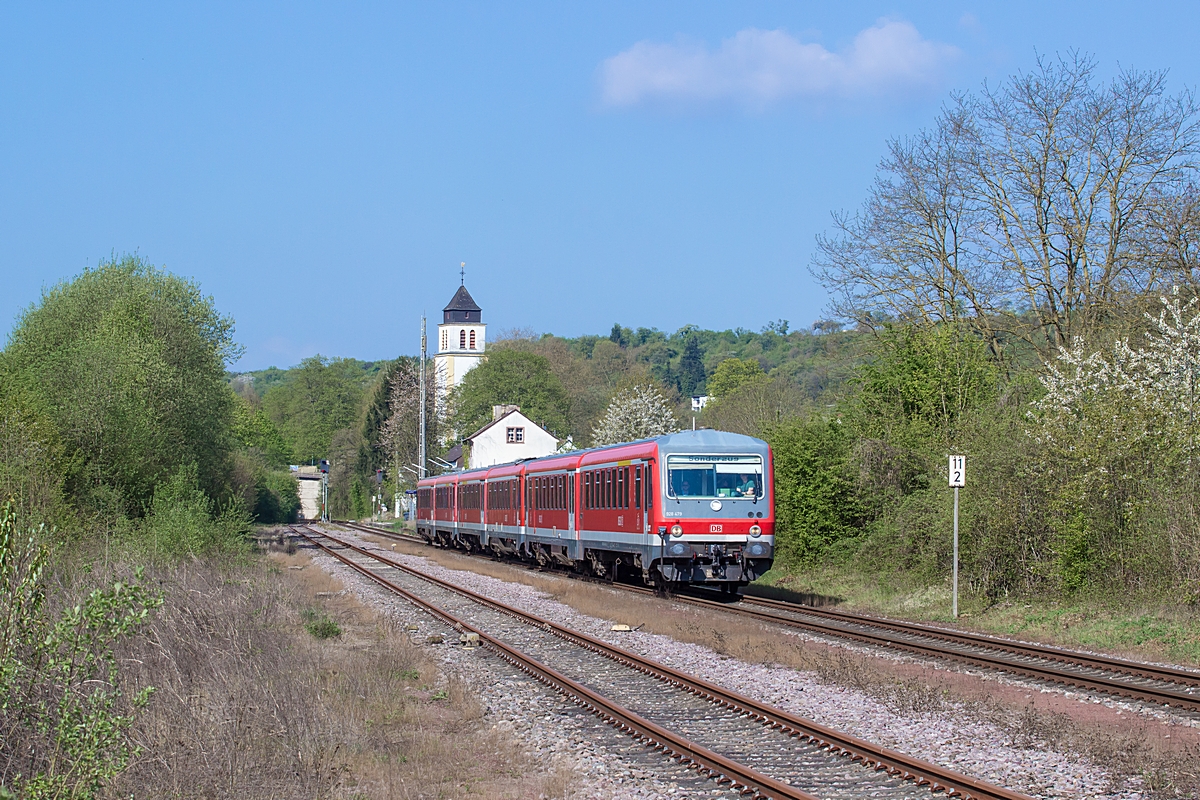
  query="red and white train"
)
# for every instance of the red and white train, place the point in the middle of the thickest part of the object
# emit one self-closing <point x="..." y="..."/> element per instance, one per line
<point x="696" y="507"/>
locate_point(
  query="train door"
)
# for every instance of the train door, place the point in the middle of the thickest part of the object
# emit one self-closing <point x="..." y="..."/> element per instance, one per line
<point x="574" y="534"/>
<point x="648" y="501"/>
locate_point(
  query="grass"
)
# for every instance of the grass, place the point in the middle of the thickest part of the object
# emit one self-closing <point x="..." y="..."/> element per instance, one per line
<point x="1123" y="626"/>
<point x="253" y="701"/>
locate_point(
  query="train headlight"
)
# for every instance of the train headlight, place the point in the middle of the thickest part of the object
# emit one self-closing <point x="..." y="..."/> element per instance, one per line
<point x="677" y="530"/>
<point x="755" y="531"/>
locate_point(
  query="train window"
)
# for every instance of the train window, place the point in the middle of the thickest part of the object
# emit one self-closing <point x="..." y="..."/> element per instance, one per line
<point x="637" y="486"/>
<point x="571" y="492"/>
<point x="609" y="486"/>
<point x="724" y="476"/>
<point x="625" y="488"/>
<point x="649" y="490"/>
<point x="621" y="487"/>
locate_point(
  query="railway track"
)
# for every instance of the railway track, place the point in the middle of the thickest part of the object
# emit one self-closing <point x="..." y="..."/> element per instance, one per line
<point x="1149" y="683"/>
<point x="736" y="740"/>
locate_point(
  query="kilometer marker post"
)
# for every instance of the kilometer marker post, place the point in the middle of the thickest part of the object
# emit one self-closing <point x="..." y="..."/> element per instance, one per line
<point x="958" y="479"/>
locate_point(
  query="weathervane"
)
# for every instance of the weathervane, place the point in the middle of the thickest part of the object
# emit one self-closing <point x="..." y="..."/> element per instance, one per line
<point x="462" y="273"/>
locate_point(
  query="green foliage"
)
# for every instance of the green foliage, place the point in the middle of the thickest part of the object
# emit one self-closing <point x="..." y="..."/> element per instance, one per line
<point x="732" y="374"/>
<point x="319" y="397"/>
<point x="63" y="719"/>
<point x="924" y="379"/>
<point x="517" y="377"/>
<point x="127" y="362"/>
<point x="254" y="430"/>
<point x="183" y="520"/>
<point x="816" y="501"/>
<point x="31" y="458"/>
<point x="277" y="498"/>
<point x="691" y="368"/>
<point x="318" y="623"/>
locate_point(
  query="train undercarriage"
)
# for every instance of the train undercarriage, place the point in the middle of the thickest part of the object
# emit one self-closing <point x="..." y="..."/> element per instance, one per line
<point x="669" y="567"/>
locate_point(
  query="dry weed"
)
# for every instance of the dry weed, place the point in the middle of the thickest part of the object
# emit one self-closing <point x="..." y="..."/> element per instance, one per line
<point x="250" y="705"/>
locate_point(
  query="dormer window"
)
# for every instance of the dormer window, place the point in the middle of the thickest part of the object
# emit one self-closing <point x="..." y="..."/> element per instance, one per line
<point x="472" y="340"/>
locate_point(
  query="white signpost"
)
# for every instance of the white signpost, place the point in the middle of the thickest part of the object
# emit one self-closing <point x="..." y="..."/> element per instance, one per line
<point x="958" y="479"/>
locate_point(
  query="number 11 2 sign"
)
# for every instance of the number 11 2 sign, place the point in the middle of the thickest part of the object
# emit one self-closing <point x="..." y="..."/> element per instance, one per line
<point x="958" y="472"/>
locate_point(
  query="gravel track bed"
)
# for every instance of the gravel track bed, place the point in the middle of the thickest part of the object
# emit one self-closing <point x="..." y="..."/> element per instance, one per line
<point x="730" y="732"/>
<point x="1140" y="707"/>
<point x="554" y="733"/>
<point x="956" y="740"/>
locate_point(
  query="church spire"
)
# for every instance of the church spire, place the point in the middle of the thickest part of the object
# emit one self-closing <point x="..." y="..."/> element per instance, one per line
<point x="462" y="308"/>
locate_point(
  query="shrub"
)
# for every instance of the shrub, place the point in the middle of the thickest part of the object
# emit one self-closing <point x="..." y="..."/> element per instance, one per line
<point x="63" y="719"/>
<point x="320" y="625"/>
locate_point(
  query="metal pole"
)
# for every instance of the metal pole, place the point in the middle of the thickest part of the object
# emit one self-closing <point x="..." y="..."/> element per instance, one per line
<point x="421" y="403"/>
<point x="956" y="552"/>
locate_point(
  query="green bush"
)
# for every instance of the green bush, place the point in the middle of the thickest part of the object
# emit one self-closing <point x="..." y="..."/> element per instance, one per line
<point x="63" y="721"/>
<point x="816" y="503"/>
<point x="320" y="625"/>
<point x="183" y="520"/>
<point x="128" y="364"/>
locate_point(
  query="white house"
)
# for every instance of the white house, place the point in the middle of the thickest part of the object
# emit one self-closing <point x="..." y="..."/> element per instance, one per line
<point x="460" y="340"/>
<point x="509" y="436"/>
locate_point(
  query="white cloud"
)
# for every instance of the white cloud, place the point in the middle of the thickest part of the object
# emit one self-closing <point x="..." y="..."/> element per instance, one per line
<point x="758" y="67"/>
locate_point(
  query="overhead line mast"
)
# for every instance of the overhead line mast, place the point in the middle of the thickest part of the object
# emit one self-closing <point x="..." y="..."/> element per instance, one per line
<point x="421" y="402"/>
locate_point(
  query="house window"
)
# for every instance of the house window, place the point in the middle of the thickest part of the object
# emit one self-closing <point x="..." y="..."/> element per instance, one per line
<point x="472" y="340"/>
<point x="445" y="340"/>
<point x="516" y="436"/>
<point x="462" y="340"/>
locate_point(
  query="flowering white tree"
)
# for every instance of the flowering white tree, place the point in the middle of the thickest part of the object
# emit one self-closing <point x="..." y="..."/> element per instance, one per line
<point x="637" y="413"/>
<point x="1113" y="405"/>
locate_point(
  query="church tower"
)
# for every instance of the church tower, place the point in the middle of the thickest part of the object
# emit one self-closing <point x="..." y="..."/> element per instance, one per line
<point x="460" y="340"/>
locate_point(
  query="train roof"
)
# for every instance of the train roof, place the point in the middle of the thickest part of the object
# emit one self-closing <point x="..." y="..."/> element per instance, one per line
<point x="709" y="441"/>
<point x="704" y="441"/>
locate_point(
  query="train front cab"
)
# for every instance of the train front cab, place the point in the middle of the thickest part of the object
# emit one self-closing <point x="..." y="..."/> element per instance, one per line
<point x="715" y="515"/>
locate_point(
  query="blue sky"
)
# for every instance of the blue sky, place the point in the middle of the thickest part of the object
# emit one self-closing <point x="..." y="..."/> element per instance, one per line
<point x="323" y="169"/>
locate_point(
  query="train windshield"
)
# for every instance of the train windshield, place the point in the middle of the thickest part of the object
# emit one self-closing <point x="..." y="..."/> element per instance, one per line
<point x="703" y="476"/>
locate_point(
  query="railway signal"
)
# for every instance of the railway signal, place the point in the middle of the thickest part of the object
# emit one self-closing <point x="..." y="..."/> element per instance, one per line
<point x="957" y="474"/>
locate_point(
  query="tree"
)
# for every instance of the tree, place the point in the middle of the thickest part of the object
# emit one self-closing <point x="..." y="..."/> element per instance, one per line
<point x="511" y="377"/>
<point x="637" y="413"/>
<point x="756" y="406"/>
<point x="319" y="397"/>
<point x="1042" y="196"/>
<point x="400" y="435"/>
<point x="733" y="373"/>
<point x="691" y="367"/>
<point x="128" y="364"/>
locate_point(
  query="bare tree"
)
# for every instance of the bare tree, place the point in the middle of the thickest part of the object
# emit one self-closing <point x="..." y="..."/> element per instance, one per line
<point x="1035" y="199"/>
<point x="399" y="436"/>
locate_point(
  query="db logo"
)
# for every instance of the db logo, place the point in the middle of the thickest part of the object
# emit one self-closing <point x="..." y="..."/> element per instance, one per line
<point x="714" y="528"/>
